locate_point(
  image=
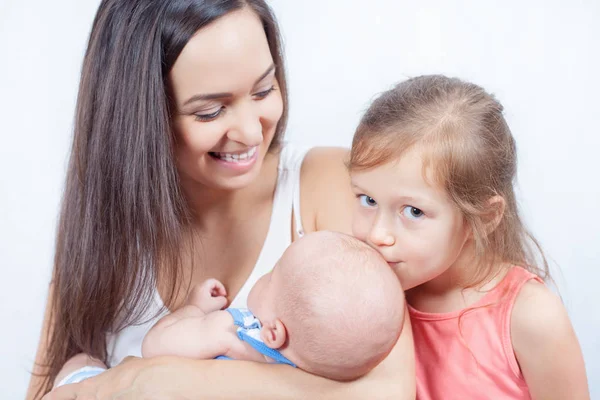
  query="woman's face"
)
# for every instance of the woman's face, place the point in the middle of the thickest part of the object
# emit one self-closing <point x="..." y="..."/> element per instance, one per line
<point x="227" y="102"/>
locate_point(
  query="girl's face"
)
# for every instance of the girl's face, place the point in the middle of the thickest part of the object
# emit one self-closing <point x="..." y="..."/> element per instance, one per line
<point x="412" y="223"/>
<point x="227" y="103"/>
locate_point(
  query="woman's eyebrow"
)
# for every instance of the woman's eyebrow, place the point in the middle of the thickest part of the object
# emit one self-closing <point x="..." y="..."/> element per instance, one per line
<point x="223" y="95"/>
<point x="264" y="74"/>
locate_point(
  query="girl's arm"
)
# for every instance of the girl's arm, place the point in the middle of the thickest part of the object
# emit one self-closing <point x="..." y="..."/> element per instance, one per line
<point x="170" y="377"/>
<point x="546" y="346"/>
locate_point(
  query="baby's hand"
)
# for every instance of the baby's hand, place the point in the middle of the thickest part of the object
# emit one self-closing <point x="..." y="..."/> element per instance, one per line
<point x="209" y="296"/>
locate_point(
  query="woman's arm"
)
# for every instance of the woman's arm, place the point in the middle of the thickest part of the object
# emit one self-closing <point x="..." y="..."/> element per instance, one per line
<point x="326" y="198"/>
<point x="170" y="378"/>
<point x="546" y="346"/>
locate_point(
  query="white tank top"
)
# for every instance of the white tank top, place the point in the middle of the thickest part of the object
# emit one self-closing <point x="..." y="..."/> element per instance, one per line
<point x="286" y="200"/>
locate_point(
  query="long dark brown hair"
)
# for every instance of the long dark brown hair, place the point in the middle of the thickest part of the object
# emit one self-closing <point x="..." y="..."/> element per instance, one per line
<point x="123" y="212"/>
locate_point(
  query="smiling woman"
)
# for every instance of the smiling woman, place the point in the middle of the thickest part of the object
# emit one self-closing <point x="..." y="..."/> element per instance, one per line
<point x="178" y="173"/>
<point x="227" y="106"/>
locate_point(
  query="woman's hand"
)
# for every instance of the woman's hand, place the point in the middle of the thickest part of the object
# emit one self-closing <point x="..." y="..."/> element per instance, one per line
<point x="134" y="378"/>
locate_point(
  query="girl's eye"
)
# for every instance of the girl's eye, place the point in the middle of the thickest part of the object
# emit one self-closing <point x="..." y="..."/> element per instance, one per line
<point x="412" y="212"/>
<point x="264" y="93"/>
<point x="366" y="201"/>
<point x="208" y="117"/>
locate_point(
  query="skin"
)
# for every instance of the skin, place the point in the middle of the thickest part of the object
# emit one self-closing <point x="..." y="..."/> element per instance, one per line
<point x="233" y="207"/>
<point x="404" y="221"/>
<point x="408" y="219"/>
<point x="202" y="317"/>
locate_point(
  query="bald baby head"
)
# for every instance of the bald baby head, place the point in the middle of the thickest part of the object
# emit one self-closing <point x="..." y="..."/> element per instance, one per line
<point x="341" y="304"/>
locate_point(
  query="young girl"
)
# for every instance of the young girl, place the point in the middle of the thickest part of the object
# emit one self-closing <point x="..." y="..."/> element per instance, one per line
<point x="432" y="164"/>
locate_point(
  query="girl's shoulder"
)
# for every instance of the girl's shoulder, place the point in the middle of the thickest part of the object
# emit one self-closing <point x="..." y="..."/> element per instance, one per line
<point x="537" y="314"/>
<point x="545" y="345"/>
<point x="536" y="309"/>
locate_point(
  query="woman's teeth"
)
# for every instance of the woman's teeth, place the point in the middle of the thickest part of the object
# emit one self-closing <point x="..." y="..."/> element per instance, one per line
<point x="239" y="157"/>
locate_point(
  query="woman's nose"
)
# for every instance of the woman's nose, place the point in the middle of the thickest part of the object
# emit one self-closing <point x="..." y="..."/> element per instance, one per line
<point x="247" y="128"/>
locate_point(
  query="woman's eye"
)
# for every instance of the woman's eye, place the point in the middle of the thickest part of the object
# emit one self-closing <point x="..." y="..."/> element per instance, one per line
<point x="412" y="212"/>
<point x="208" y="117"/>
<point x="366" y="201"/>
<point x="264" y="93"/>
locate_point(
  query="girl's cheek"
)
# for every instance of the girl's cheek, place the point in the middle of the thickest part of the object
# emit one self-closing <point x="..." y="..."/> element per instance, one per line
<point x="360" y="227"/>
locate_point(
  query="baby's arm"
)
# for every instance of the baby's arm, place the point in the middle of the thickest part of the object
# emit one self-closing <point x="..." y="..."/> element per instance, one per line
<point x="197" y="330"/>
<point x="77" y="363"/>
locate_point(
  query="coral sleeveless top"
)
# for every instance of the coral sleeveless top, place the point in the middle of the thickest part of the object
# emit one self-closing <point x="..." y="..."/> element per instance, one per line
<point x="473" y="360"/>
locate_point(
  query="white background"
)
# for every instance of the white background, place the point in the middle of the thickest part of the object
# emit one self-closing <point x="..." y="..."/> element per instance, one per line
<point x="541" y="59"/>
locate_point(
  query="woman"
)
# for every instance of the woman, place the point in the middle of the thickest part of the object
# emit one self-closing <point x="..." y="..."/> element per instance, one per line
<point x="178" y="174"/>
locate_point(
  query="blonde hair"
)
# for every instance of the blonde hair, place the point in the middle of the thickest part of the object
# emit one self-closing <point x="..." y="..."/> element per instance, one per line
<point x="467" y="148"/>
<point x="341" y="304"/>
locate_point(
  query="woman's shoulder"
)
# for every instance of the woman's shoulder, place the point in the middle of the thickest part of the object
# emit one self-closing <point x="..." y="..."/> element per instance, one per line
<point x="326" y="196"/>
<point x="325" y="165"/>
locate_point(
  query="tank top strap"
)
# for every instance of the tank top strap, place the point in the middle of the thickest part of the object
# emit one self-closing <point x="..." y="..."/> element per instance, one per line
<point x="279" y="236"/>
<point x="290" y="164"/>
<point x="508" y="288"/>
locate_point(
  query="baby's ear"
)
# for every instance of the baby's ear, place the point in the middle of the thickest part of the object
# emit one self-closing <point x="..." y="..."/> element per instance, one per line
<point x="273" y="333"/>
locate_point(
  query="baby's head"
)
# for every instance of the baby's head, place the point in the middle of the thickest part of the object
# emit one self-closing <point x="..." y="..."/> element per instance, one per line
<point x="331" y="305"/>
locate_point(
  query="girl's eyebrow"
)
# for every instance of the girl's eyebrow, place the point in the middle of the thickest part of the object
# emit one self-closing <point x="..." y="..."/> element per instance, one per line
<point x="355" y="186"/>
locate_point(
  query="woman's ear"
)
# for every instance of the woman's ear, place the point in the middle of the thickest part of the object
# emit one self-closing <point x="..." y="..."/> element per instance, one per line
<point x="496" y="207"/>
<point x="273" y="334"/>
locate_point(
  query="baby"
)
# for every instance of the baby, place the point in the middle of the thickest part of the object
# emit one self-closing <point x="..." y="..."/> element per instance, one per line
<point x="331" y="306"/>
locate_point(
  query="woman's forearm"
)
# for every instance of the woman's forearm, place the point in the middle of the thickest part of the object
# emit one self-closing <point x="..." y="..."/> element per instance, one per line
<point x="183" y="378"/>
<point x="193" y="379"/>
<point x="190" y="379"/>
<point x="221" y="379"/>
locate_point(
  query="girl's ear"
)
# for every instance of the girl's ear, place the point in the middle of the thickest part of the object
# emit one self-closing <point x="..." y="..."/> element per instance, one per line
<point x="496" y="207"/>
